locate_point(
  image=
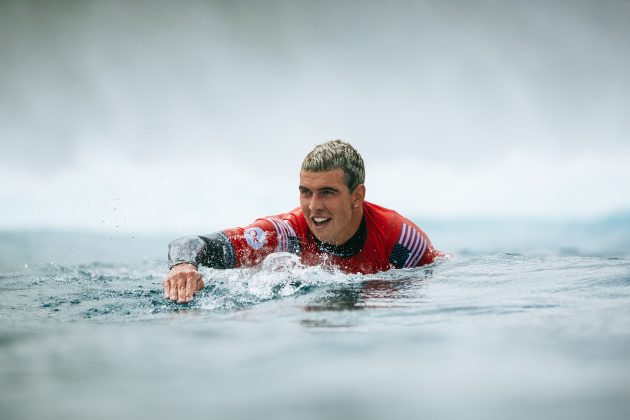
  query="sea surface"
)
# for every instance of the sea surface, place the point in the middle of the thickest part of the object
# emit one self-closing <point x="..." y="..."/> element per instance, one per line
<point x="522" y="321"/>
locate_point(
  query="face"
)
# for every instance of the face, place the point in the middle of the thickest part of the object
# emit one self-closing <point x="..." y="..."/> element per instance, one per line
<point x="332" y="211"/>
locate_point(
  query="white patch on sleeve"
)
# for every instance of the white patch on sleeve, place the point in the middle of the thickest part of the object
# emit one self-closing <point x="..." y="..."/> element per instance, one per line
<point x="285" y="233"/>
<point x="256" y="237"/>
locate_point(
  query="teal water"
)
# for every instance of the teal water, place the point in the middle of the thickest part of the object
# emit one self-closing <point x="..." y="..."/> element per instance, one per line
<point x="539" y="331"/>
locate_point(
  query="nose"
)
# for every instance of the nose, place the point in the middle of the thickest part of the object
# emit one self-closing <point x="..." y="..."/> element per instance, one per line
<point x="315" y="204"/>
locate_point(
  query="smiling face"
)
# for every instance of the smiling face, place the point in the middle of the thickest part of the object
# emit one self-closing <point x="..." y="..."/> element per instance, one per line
<point x="333" y="212"/>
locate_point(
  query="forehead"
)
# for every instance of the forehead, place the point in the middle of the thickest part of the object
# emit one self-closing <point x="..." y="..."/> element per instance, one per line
<point x="315" y="180"/>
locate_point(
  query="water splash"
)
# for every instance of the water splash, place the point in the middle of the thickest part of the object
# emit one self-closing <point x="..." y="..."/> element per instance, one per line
<point x="279" y="275"/>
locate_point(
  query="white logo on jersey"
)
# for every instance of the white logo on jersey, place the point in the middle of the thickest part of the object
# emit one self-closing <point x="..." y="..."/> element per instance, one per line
<point x="256" y="237"/>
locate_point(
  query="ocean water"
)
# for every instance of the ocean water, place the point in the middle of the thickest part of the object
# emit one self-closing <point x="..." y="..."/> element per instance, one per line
<point x="523" y="321"/>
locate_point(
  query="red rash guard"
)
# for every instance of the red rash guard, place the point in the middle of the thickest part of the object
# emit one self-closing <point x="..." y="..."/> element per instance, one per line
<point x="385" y="240"/>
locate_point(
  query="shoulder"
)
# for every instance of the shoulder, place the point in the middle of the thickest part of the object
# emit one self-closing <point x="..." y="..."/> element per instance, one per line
<point x="289" y="223"/>
<point x="408" y="243"/>
<point x="386" y="220"/>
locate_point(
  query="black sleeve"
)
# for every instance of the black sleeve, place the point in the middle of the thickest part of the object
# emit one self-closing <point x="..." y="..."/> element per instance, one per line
<point x="214" y="250"/>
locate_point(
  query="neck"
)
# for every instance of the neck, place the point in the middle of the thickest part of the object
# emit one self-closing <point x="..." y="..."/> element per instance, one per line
<point x="355" y="223"/>
<point x="350" y="247"/>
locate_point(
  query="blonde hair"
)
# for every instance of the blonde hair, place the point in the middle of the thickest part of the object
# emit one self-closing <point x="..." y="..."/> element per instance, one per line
<point x="337" y="154"/>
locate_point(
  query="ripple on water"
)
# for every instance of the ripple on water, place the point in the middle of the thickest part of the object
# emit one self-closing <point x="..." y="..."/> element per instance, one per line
<point x="462" y="286"/>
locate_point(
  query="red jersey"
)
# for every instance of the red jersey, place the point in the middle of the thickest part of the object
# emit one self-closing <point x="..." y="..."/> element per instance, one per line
<point x="385" y="240"/>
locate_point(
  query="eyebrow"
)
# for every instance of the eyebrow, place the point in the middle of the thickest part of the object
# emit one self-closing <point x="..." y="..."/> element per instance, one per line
<point x="325" y="188"/>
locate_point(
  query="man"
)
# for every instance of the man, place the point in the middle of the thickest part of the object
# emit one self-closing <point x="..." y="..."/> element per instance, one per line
<point x="333" y="226"/>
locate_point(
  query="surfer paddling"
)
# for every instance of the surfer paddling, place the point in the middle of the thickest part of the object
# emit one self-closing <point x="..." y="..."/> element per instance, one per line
<point x="334" y="226"/>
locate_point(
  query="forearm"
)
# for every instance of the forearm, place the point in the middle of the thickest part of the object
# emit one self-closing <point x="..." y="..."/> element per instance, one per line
<point x="213" y="250"/>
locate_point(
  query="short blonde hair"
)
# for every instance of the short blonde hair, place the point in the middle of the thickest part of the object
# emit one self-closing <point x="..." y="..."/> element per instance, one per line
<point x="337" y="154"/>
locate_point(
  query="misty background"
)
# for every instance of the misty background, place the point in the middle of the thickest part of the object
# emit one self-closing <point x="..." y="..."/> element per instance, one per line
<point x="188" y="117"/>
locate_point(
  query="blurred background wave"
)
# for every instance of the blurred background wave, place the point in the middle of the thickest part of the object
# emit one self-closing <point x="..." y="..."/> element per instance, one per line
<point x="161" y="117"/>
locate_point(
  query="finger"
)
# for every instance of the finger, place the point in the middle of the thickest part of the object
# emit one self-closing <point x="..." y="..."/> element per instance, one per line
<point x="190" y="286"/>
<point x="173" y="287"/>
<point x="181" y="289"/>
<point x="167" y="285"/>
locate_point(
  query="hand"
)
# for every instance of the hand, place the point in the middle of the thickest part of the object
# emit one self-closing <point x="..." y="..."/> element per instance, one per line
<point x="182" y="283"/>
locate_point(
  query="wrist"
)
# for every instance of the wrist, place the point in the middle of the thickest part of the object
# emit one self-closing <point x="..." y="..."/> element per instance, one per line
<point x="184" y="267"/>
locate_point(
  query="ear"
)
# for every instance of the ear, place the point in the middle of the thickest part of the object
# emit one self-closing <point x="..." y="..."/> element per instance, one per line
<point x="358" y="195"/>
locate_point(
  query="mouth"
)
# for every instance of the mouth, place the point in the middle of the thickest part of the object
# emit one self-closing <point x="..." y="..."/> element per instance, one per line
<point x="320" y="221"/>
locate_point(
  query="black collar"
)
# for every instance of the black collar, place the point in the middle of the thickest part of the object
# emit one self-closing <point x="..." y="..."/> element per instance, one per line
<point x="351" y="247"/>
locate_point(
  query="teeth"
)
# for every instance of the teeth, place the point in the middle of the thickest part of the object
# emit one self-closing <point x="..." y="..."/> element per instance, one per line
<point x="319" y="219"/>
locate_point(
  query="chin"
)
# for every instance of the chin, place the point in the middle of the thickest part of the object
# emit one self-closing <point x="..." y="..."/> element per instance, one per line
<point x="328" y="239"/>
<point x="322" y="238"/>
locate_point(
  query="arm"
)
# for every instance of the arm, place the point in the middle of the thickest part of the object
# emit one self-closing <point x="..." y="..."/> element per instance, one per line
<point x="186" y="254"/>
<point x="430" y="256"/>
<point x="413" y="247"/>
<point x="214" y="250"/>
<point x="238" y="247"/>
